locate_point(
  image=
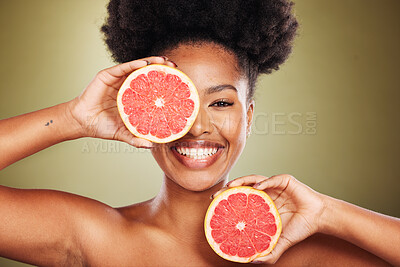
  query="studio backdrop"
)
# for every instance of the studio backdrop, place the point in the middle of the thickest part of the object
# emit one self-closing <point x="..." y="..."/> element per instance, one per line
<point x="329" y="116"/>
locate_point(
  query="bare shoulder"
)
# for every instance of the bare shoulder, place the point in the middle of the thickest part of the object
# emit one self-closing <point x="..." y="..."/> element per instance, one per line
<point x="325" y="250"/>
<point x="61" y="208"/>
<point x="49" y="227"/>
<point x="104" y="235"/>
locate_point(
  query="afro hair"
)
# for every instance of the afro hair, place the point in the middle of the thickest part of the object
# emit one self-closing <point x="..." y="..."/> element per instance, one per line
<point x="258" y="32"/>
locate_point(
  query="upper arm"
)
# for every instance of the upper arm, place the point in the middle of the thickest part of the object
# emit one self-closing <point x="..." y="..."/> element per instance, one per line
<point x="44" y="227"/>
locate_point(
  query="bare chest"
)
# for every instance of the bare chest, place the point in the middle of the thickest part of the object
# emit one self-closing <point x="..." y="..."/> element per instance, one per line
<point x="150" y="253"/>
<point x="145" y="246"/>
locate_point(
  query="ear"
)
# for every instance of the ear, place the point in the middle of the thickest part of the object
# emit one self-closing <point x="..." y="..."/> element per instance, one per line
<point x="250" y="112"/>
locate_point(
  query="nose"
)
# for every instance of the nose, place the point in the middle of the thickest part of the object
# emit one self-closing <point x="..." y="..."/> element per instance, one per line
<point x="202" y="124"/>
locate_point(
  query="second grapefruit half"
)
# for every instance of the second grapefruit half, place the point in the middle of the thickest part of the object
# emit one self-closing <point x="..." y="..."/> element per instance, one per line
<point x="242" y="224"/>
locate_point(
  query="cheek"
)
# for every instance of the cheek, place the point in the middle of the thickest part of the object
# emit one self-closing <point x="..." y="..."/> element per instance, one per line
<point x="231" y="125"/>
<point x="158" y="152"/>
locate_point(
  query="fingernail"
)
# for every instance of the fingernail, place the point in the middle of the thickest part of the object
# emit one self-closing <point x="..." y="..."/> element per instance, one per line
<point x="173" y="63"/>
<point x="148" y="62"/>
<point x="256" y="185"/>
<point x="165" y="58"/>
<point x="215" y="194"/>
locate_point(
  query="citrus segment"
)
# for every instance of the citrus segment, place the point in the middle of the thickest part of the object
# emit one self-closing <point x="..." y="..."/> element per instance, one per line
<point x="158" y="103"/>
<point x="242" y="223"/>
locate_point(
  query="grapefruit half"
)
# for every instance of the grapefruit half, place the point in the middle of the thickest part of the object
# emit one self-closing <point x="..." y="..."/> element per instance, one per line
<point x="242" y="223"/>
<point x="158" y="103"/>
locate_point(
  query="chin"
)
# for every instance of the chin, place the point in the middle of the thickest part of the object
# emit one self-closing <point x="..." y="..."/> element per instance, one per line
<point x="197" y="184"/>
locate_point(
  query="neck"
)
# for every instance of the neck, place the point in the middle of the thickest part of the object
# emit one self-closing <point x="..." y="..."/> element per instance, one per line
<point x="181" y="212"/>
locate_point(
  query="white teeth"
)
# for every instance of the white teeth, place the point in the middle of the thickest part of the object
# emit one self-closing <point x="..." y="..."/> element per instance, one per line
<point x="196" y="153"/>
<point x="200" y="151"/>
<point x="179" y="150"/>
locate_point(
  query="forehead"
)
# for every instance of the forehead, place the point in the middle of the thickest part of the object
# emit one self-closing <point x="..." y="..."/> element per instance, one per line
<point x="208" y="65"/>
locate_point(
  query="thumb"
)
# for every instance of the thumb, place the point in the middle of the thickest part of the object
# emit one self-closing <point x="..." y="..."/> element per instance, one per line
<point x="290" y="236"/>
<point x="132" y="140"/>
<point x="282" y="245"/>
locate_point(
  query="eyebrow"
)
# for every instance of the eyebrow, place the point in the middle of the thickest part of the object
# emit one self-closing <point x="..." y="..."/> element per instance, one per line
<point x="218" y="88"/>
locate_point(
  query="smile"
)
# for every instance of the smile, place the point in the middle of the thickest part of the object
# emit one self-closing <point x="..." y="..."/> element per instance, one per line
<point x="197" y="154"/>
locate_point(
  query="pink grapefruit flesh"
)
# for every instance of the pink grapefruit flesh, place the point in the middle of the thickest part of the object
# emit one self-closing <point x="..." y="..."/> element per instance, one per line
<point x="242" y="224"/>
<point x="158" y="103"/>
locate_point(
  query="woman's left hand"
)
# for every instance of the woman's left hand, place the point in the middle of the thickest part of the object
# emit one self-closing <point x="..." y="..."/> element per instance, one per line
<point x="299" y="206"/>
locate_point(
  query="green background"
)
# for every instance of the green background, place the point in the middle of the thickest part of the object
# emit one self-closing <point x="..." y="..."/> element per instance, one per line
<point x="344" y="70"/>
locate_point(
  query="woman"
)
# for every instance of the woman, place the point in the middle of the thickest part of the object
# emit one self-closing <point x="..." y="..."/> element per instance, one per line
<point x="50" y="228"/>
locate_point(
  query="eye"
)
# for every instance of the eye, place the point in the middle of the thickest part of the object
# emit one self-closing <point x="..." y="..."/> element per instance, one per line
<point x="221" y="103"/>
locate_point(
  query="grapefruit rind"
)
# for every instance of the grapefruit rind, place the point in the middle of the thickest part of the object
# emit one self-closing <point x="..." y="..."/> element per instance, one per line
<point x="224" y="195"/>
<point x="170" y="70"/>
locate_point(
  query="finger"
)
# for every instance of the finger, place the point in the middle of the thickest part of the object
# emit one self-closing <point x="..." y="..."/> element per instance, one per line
<point x="169" y="62"/>
<point x="156" y="59"/>
<point x="165" y="60"/>
<point x="141" y="143"/>
<point x="123" y="69"/>
<point x="282" y="245"/>
<point x="132" y="140"/>
<point x="246" y="180"/>
<point x="279" y="181"/>
<point x="219" y="192"/>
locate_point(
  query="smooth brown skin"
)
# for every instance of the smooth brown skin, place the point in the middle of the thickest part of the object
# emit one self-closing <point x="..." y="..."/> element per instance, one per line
<point x="51" y="228"/>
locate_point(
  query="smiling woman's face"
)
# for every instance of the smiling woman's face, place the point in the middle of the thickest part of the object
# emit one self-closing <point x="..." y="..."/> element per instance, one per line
<point x="206" y="154"/>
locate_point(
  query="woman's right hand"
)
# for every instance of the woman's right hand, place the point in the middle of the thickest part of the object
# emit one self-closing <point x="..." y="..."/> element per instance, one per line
<point x="95" y="111"/>
<point x="299" y="206"/>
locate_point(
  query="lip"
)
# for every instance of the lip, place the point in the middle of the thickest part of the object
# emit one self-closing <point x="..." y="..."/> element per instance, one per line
<point x="197" y="163"/>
